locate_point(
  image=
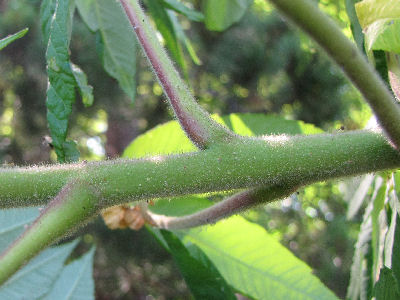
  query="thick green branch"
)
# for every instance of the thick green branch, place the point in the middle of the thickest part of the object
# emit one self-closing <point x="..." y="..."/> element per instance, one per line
<point x="306" y="14"/>
<point x="196" y="122"/>
<point x="74" y="205"/>
<point x="226" y="208"/>
<point x="246" y="163"/>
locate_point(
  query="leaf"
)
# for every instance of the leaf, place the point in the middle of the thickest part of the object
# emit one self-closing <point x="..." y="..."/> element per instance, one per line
<point x="254" y="263"/>
<point x="117" y="41"/>
<point x="378" y="200"/>
<point x="179" y="7"/>
<point x="380" y="20"/>
<point x="203" y="279"/>
<point x="221" y="14"/>
<point x="183" y="38"/>
<point x="85" y="89"/>
<point x="75" y="280"/>
<point x="393" y="64"/>
<point x="179" y="206"/>
<point x="61" y="86"/>
<point x="396" y="253"/>
<point x="36" y="278"/>
<point x="361" y="270"/>
<point x="386" y="288"/>
<point x="359" y="196"/>
<point x="370" y="11"/>
<point x="383" y="35"/>
<point x="13" y="222"/>
<point x="11" y="38"/>
<point x="169" y="137"/>
<point x="165" y="27"/>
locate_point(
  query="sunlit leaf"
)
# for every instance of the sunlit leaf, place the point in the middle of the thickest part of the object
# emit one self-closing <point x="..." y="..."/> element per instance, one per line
<point x="254" y="263"/>
<point x="11" y="38"/>
<point x="75" y="281"/>
<point x="369" y="11"/>
<point x="393" y="64"/>
<point x="203" y="279"/>
<point x="221" y="14"/>
<point x="35" y="279"/>
<point x="169" y="137"/>
<point x="380" y="20"/>
<point x="117" y="41"/>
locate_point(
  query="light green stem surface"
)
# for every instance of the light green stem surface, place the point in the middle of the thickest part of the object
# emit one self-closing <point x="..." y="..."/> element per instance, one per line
<point x="305" y="13"/>
<point x="246" y="163"/>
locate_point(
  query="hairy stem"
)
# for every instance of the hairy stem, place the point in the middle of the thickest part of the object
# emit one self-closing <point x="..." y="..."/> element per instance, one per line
<point x="196" y="122"/>
<point x="74" y="205"/>
<point x="247" y="163"/>
<point x="226" y="208"/>
<point x="306" y="14"/>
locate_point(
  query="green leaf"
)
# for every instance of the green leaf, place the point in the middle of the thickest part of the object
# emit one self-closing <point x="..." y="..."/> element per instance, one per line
<point x="75" y="280"/>
<point x="179" y="7"/>
<point x="386" y="287"/>
<point x="378" y="200"/>
<point x="183" y="38"/>
<point x="11" y="38"/>
<point x="383" y="35"/>
<point x="221" y="14"/>
<point x="254" y="263"/>
<point x="359" y="196"/>
<point x="166" y="28"/>
<point x="61" y="86"/>
<point x="117" y="41"/>
<point x="380" y="20"/>
<point x="393" y="64"/>
<point x="203" y="279"/>
<point x="35" y="279"/>
<point x="13" y="222"/>
<point x="85" y="89"/>
<point x="396" y="253"/>
<point x="361" y="281"/>
<point x="370" y="11"/>
<point x="169" y="137"/>
<point x="179" y="206"/>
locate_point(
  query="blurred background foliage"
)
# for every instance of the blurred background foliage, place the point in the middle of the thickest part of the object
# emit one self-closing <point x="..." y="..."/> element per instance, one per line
<point x="261" y="64"/>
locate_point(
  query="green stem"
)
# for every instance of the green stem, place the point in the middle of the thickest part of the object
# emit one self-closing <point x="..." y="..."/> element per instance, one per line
<point x="196" y="122"/>
<point x="244" y="164"/>
<point x="224" y="209"/>
<point x="306" y="14"/>
<point x="74" y="205"/>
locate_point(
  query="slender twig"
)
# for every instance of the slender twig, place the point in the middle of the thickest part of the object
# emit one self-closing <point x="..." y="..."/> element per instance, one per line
<point x="196" y="122"/>
<point x="306" y="14"/>
<point x="226" y="208"/>
<point x="75" y="204"/>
